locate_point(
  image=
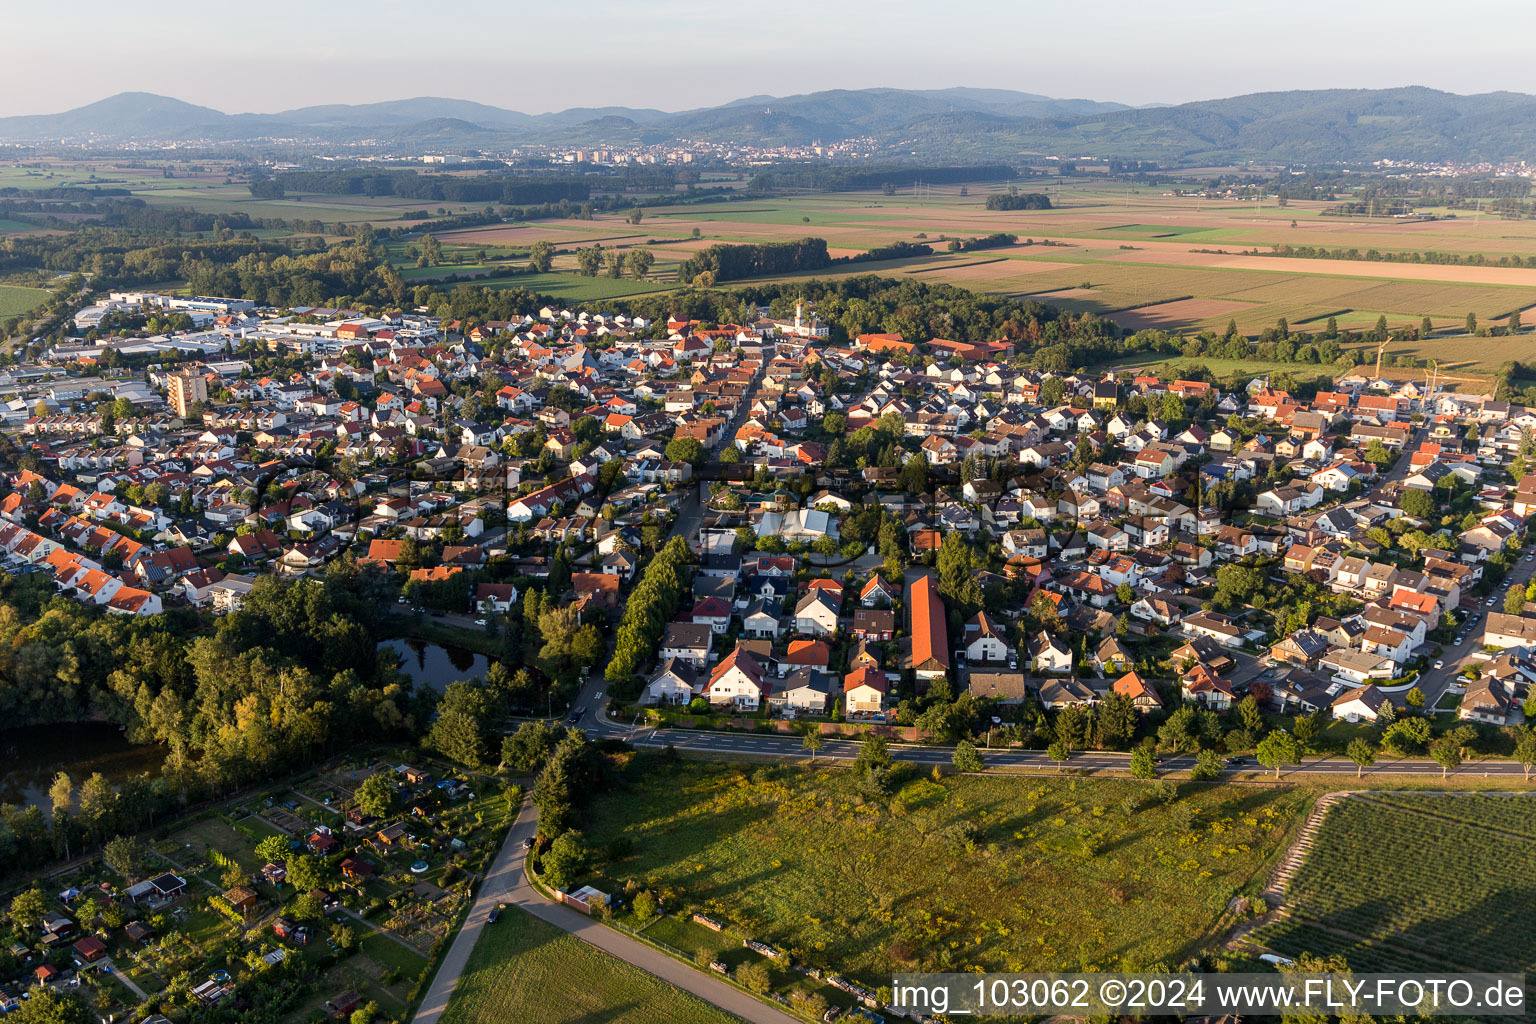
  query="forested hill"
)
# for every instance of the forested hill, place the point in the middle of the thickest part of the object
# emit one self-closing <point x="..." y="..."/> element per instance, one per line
<point x="1330" y="125"/>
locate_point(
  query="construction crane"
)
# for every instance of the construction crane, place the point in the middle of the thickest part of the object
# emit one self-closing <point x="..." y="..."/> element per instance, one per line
<point x="1433" y="379"/>
<point x="1379" y="350"/>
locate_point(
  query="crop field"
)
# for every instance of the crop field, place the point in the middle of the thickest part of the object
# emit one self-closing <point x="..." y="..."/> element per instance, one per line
<point x="1474" y="355"/>
<point x="577" y="288"/>
<point x="15" y="300"/>
<point x="1135" y="247"/>
<point x="526" y="970"/>
<point x="1413" y="881"/>
<point x="986" y="873"/>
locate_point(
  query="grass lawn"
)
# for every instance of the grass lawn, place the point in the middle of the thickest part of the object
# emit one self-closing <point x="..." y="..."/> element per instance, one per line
<point x="989" y="873"/>
<point x="578" y="288"/>
<point x="525" y="970"/>
<point x="14" y="299"/>
<point x="1412" y="881"/>
<point x="386" y="952"/>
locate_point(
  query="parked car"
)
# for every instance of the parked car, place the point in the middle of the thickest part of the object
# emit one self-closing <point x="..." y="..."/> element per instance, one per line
<point x="479" y="622"/>
<point x="1439" y="664"/>
<point x="495" y="914"/>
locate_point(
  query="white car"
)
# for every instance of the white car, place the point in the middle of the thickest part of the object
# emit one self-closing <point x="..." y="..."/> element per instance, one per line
<point x="1439" y="664"/>
<point x="479" y="622"/>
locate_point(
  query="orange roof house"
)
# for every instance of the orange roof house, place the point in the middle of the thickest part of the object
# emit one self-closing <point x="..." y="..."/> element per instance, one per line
<point x="884" y="343"/>
<point x="930" y="637"/>
<point x="433" y="575"/>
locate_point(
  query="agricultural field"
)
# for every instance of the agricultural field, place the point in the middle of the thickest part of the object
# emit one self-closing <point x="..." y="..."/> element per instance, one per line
<point x="577" y="288"/>
<point x="984" y="873"/>
<point x="206" y="191"/>
<point x="1116" y="250"/>
<point x="14" y="299"/>
<point x="1418" y="881"/>
<point x="523" y="969"/>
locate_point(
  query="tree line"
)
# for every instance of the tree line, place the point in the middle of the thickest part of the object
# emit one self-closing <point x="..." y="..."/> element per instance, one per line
<point x="496" y="188"/>
<point x="1016" y="200"/>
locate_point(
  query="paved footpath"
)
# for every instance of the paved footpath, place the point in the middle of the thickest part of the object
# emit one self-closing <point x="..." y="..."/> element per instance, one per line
<point x="507" y="883"/>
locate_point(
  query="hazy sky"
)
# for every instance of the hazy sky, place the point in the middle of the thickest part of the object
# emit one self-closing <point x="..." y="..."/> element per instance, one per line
<point x="675" y="54"/>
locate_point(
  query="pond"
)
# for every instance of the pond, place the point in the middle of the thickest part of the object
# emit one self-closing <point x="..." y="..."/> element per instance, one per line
<point x="31" y="757"/>
<point x="435" y="665"/>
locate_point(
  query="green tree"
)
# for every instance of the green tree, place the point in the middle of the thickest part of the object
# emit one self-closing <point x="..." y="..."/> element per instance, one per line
<point x="1417" y="503"/>
<point x="377" y="795"/>
<point x="1447" y="754"/>
<point x="1414" y="698"/>
<point x="1143" y="763"/>
<point x="29" y="908"/>
<point x="966" y="758"/>
<point x="1207" y="766"/>
<point x="125" y="855"/>
<point x="272" y="850"/>
<point x="754" y="976"/>
<point x="1277" y="750"/>
<point x="874" y="753"/>
<point x="305" y="908"/>
<point x="811" y="738"/>
<point x="565" y="860"/>
<point x="541" y="256"/>
<point x="461" y="729"/>
<point x="638" y="262"/>
<point x="686" y="449"/>
<point x="1060" y="753"/>
<point x="1525" y="753"/>
<point x="52" y="1006"/>
<point x="1471" y="323"/>
<point x="526" y="750"/>
<point x="1306" y="728"/>
<point x="1250" y="714"/>
<point x="1362" y="753"/>
<point x="1116" y="720"/>
<point x="644" y="906"/>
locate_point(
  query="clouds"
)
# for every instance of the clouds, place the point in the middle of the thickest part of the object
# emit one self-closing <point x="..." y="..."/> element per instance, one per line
<point x="678" y="54"/>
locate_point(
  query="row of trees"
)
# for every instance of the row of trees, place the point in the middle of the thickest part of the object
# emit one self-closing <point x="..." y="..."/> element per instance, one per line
<point x="650" y="606"/>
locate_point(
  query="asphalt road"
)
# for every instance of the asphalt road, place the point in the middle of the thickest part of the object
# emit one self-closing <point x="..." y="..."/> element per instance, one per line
<point x="791" y="748"/>
<point x="507" y="883"/>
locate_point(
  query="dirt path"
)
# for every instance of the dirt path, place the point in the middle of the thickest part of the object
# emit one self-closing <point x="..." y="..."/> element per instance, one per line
<point x="1274" y="892"/>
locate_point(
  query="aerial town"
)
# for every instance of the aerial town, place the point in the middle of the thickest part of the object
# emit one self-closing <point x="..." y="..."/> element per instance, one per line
<point x="1083" y="502"/>
<point x="897" y="515"/>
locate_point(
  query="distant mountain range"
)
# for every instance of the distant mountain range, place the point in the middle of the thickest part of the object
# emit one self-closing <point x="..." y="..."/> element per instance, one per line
<point x="960" y="124"/>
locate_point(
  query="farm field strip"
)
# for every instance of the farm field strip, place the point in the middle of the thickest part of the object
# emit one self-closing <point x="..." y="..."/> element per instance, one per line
<point x="1428" y="876"/>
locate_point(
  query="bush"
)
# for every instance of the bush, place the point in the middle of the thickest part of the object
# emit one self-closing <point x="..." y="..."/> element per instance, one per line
<point x="754" y="976"/>
<point x="644" y="907"/>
